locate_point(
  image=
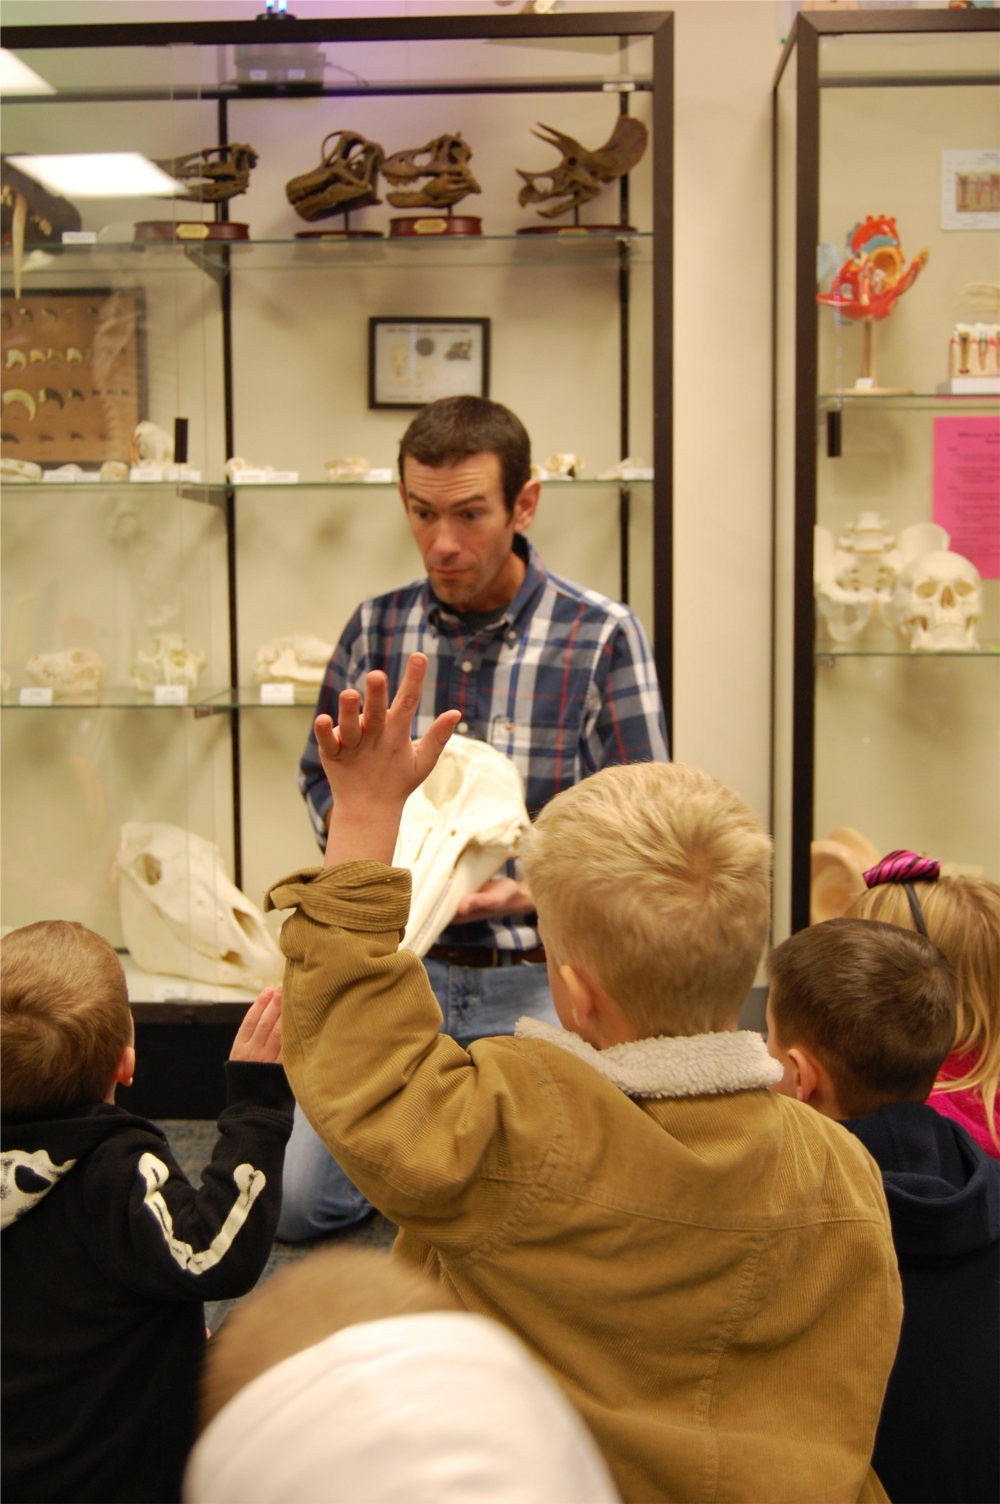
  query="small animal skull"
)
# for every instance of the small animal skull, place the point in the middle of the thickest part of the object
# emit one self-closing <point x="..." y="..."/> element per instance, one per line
<point x="937" y="603"/>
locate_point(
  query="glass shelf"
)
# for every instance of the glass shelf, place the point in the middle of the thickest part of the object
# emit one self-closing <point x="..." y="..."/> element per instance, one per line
<point x="215" y="491"/>
<point x="931" y="402"/>
<point x="114" y="697"/>
<point x="985" y="650"/>
<point x="570" y="247"/>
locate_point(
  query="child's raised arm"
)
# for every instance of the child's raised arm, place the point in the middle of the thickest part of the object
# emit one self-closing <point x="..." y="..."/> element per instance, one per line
<point x="373" y="766"/>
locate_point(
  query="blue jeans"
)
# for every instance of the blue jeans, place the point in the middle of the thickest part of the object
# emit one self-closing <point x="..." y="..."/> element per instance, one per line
<point x="477" y="1003"/>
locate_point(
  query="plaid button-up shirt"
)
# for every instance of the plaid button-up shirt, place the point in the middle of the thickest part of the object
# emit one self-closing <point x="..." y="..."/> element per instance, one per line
<point x="563" y="683"/>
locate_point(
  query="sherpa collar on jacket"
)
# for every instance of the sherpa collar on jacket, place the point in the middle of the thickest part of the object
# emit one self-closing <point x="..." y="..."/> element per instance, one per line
<point x="694" y="1065"/>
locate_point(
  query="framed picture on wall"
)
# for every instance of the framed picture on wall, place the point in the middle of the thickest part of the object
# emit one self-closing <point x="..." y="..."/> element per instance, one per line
<point x="415" y="361"/>
<point x="74" y="374"/>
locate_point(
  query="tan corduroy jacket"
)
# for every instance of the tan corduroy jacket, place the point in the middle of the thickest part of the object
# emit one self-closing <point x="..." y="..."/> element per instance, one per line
<point x="705" y="1267"/>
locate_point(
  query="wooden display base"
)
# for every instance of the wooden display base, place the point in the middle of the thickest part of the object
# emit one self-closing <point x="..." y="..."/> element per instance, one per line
<point x="578" y="230"/>
<point x="191" y="229"/>
<point x="339" y="235"/>
<point x="436" y="224"/>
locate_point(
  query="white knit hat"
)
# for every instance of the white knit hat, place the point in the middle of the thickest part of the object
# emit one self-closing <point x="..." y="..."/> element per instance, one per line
<point x="437" y="1408"/>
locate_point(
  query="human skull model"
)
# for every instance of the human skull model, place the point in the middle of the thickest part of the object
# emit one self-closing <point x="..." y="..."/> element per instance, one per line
<point x="937" y="603"/>
<point x="854" y="576"/>
<point x="458" y="828"/>
<point x="182" y="916"/>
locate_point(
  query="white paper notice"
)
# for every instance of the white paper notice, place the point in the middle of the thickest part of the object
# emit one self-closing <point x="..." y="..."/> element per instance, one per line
<point x="35" y="694"/>
<point x="282" y="693"/>
<point x="170" y="694"/>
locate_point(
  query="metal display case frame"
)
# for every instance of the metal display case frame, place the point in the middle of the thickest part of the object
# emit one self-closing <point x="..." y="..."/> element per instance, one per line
<point x="803" y="45"/>
<point x="216" y="260"/>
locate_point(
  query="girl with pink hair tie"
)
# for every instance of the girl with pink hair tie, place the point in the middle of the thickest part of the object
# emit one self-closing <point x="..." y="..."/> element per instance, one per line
<point x="961" y="915"/>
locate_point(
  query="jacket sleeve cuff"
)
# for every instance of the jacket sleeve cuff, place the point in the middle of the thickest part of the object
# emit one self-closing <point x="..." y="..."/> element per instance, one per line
<point x="259" y="1082"/>
<point x="353" y="896"/>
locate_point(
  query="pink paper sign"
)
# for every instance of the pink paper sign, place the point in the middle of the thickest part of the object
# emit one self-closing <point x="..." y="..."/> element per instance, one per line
<point x="967" y="488"/>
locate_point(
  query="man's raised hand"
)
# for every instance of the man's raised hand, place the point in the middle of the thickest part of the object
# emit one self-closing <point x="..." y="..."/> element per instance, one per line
<point x="373" y="766"/>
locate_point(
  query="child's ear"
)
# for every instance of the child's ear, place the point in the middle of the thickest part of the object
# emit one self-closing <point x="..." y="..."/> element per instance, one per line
<point x="581" y="995"/>
<point x="125" y="1069"/>
<point x="806" y="1073"/>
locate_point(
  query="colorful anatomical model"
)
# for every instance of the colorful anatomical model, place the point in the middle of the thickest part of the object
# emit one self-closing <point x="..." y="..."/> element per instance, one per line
<point x="875" y="272"/>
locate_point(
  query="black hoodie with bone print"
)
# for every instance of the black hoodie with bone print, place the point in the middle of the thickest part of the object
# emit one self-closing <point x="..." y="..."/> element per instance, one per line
<point x="108" y="1255"/>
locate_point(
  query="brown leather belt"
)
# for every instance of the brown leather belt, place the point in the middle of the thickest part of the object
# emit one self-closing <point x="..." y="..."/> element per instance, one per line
<point x="486" y="955"/>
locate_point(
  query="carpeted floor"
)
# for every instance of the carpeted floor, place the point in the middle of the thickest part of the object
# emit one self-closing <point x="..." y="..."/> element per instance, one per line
<point x="192" y="1141"/>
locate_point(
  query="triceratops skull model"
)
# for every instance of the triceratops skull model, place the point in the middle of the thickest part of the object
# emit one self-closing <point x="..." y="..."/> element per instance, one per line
<point x="444" y="162"/>
<point x="71" y="671"/>
<point x="582" y="174"/>
<point x="937" y="603"/>
<point x="457" y="830"/>
<point x="854" y="575"/>
<point x="214" y="175"/>
<point x="170" y="662"/>
<point x="300" y="658"/>
<point x="347" y="178"/>
<point x="182" y="916"/>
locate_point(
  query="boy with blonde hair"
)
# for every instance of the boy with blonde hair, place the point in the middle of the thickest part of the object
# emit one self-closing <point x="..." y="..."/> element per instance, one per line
<point x="705" y="1267"/>
<point x="108" y="1251"/>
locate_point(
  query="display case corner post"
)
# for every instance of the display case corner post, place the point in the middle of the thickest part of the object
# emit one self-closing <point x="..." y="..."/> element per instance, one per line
<point x="806" y="344"/>
<point x="663" y="348"/>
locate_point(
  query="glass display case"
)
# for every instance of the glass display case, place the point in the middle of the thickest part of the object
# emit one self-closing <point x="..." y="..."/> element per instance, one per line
<point x="217" y="313"/>
<point x="887" y="440"/>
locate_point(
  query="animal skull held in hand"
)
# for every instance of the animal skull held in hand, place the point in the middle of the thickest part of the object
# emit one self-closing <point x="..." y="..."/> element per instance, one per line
<point x="458" y="829"/>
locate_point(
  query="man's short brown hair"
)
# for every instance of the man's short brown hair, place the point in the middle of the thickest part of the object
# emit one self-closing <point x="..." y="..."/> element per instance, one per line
<point x="874" y="1003"/>
<point x="455" y="428"/>
<point x="65" y="1018"/>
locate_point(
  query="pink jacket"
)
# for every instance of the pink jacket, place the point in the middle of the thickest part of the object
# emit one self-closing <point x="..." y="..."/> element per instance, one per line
<point x="965" y="1107"/>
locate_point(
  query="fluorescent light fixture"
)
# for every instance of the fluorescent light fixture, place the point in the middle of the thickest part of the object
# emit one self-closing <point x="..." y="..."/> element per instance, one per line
<point x="99" y="174"/>
<point x="17" y="78"/>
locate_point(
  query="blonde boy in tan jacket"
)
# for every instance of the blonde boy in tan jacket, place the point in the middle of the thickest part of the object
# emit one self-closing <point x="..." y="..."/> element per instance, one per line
<point x="705" y="1266"/>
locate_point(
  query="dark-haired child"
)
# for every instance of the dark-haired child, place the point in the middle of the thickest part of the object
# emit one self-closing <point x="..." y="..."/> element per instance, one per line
<point x="861" y="1015"/>
<point x="108" y="1251"/>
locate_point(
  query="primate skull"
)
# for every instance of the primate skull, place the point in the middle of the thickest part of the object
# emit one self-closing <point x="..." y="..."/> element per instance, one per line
<point x="937" y="602"/>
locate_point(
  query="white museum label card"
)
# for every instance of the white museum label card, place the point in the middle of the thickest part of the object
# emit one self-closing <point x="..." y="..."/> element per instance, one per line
<point x="970" y="190"/>
<point x="170" y="992"/>
<point x="170" y="694"/>
<point x="35" y="694"/>
<point x="278" y="694"/>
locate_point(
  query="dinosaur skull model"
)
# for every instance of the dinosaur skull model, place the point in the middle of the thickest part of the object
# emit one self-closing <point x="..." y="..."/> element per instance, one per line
<point x="444" y="162"/>
<point x="582" y="174"/>
<point x="457" y="830"/>
<point x="214" y="175"/>
<point x="347" y="178"/>
<point x="182" y="916"/>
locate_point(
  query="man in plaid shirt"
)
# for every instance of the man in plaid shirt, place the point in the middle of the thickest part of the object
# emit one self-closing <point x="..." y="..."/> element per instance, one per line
<point x="558" y="677"/>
